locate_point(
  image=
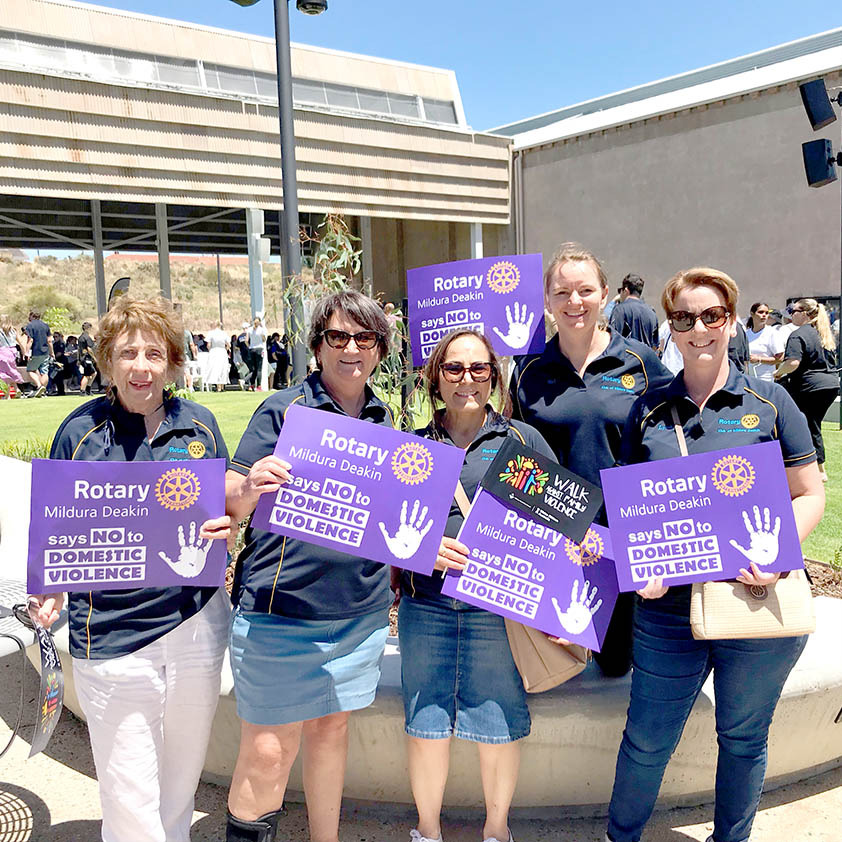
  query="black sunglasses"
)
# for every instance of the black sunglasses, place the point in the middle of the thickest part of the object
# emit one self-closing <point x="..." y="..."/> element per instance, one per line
<point x="365" y="340"/>
<point x="455" y="372"/>
<point x="712" y="317"/>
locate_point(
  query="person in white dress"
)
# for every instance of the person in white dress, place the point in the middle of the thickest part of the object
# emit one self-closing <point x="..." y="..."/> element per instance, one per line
<point x="764" y="343"/>
<point x="218" y="343"/>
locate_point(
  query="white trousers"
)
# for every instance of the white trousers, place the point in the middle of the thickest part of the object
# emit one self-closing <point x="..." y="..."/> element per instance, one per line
<point x="149" y="716"/>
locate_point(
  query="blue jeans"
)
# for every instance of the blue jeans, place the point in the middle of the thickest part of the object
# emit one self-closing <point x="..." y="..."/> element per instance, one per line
<point x="669" y="670"/>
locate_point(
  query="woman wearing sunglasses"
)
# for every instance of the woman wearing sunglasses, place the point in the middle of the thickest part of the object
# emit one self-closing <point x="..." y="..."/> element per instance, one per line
<point x="578" y="392"/>
<point x="809" y="368"/>
<point x="457" y="671"/>
<point x="717" y="407"/>
<point x="310" y="623"/>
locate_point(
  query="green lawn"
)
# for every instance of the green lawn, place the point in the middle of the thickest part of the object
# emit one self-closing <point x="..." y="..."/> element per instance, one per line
<point x="21" y="419"/>
<point x="24" y="419"/>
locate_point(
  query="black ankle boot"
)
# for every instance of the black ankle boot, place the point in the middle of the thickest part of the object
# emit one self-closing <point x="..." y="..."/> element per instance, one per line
<point x="262" y="830"/>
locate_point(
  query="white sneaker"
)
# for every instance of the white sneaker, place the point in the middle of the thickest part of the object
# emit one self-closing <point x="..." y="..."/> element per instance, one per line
<point x="415" y="836"/>
<point x="495" y="839"/>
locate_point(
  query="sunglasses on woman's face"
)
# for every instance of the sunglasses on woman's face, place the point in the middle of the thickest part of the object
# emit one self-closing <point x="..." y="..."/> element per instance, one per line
<point x="712" y="317"/>
<point x="455" y="372"/>
<point x="365" y="340"/>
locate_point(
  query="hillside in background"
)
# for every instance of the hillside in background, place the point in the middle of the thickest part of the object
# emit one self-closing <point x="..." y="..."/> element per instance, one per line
<point x="69" y="282"/>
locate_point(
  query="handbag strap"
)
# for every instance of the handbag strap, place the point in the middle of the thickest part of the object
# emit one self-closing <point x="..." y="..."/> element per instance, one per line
<point x="679" y="431"/>
<point x="461" y="499"/>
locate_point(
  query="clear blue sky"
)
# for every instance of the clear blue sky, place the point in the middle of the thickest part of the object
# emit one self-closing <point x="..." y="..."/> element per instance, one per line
<point x="517" y="58"/>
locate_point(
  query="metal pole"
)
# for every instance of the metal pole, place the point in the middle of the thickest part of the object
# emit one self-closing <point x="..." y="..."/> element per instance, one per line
<point x="219" y="287"/>
<point x="290" y="245"/>
<point x="99" y="260"/>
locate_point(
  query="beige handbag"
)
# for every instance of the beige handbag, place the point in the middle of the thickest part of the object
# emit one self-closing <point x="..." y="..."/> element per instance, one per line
<point x="541" y="663"/>
<point x="732" y="610"/>
<point x="720" y="610"/>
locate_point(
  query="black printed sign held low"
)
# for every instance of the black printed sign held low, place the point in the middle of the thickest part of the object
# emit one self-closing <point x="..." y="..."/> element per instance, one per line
<point x="541" y="488"/>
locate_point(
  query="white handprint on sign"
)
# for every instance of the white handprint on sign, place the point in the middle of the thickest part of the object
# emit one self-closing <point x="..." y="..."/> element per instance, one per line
<point x="410" y="534"/>
<point x="192" y="555"/>
<point x="763" y="540"/>
<point x="578" y="616"/>
<point x="519" y="326"/>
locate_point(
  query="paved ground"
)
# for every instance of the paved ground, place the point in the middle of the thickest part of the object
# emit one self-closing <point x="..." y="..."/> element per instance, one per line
<point x="53" y="798"/>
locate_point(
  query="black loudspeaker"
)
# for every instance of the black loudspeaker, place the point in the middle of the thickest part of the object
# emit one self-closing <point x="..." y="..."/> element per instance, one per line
<point x="819" y="109"/>
<point x="818" y="162"/>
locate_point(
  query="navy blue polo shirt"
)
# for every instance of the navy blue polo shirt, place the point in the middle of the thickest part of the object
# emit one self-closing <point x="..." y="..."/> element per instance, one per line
<point x="38" y="332"/>
<point x="287" y="576"/>
<point x="108" y="624"/>
<point x="478" y="456"/>
<point x="582" y="418"/>
<point x="744" y="411"/>
<point x="816" y="370"/>
<point x="635" y="319"/>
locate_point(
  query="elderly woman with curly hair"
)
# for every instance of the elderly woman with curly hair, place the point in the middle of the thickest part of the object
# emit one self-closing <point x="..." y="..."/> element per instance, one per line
<point x="146" y="661"/>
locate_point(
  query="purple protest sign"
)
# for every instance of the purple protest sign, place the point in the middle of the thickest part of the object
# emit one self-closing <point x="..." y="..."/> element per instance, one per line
<point x="124" y="525"/>
<point x="521" y="569"/>
<point x="362" y="489"/>
<point x="501" y="297"/>
<point x="701" y="518"/>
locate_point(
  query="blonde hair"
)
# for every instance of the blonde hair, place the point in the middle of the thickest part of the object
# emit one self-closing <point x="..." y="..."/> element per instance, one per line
<point x="700" y="276"/>
<point x="819" y="319"/>
<point x="153" y="315"/>
<point x="573" y="253"/>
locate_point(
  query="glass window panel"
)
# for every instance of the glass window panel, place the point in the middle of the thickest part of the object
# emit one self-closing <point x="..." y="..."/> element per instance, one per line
<point x="41" y="53"/>
<point x="342" y="96"/>
<point x="376" y="101"/>
<point x="305" y="90"/>
<point x="139" y="68"/>
<point x="236" y="81"/>
<point x="266" y="85"/>
<point x="8" y="47"/>
<point x="404" y="106"/>
<point x="175" y="72"/>
<point x="439" y="111"/>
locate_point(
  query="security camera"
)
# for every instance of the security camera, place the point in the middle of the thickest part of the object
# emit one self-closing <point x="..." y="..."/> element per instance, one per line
<point x="311" y="7"/>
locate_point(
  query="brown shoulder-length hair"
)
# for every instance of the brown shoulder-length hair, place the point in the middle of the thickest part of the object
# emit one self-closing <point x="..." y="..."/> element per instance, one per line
<point x="150" y="315"/>
<point x="432" y="372"/>
<point x="358" y="307"/>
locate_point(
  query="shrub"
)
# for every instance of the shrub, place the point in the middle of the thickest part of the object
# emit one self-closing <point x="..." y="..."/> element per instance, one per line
<point x="35" y="447"/>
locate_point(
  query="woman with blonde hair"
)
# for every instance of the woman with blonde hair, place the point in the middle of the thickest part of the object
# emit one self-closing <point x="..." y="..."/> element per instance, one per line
<point x="809" y="368"/>
<point x="709" y="400"/>
<point x="578" y="392"/>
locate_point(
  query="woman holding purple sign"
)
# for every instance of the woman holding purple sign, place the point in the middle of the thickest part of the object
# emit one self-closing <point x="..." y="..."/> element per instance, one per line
<point x="711" y="405"/>
<point x="457" y="671"/>
<point x="146" y="662"/>
<point x="578" y="393"/>
<point x="310" y="623"/>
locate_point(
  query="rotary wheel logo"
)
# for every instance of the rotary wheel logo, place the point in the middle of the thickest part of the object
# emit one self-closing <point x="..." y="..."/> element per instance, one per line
<point x="750" y="421"/>
<point x="196" y="449"/>
<point x="588" y="552"/>
<point x="503" y="277"/>
<point x="627" y="380"/>
<point x="733" y="475"/>
<point x="177" y="489"/>
<point x="412" y="463"/>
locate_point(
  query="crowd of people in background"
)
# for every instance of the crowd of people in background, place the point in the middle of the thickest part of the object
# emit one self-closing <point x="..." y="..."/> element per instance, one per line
<point x="37" y="361"/>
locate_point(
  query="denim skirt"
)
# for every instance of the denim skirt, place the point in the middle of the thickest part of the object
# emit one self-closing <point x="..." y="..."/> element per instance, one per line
<point x="457" y="673"/>
<point x="288" y="669"/>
